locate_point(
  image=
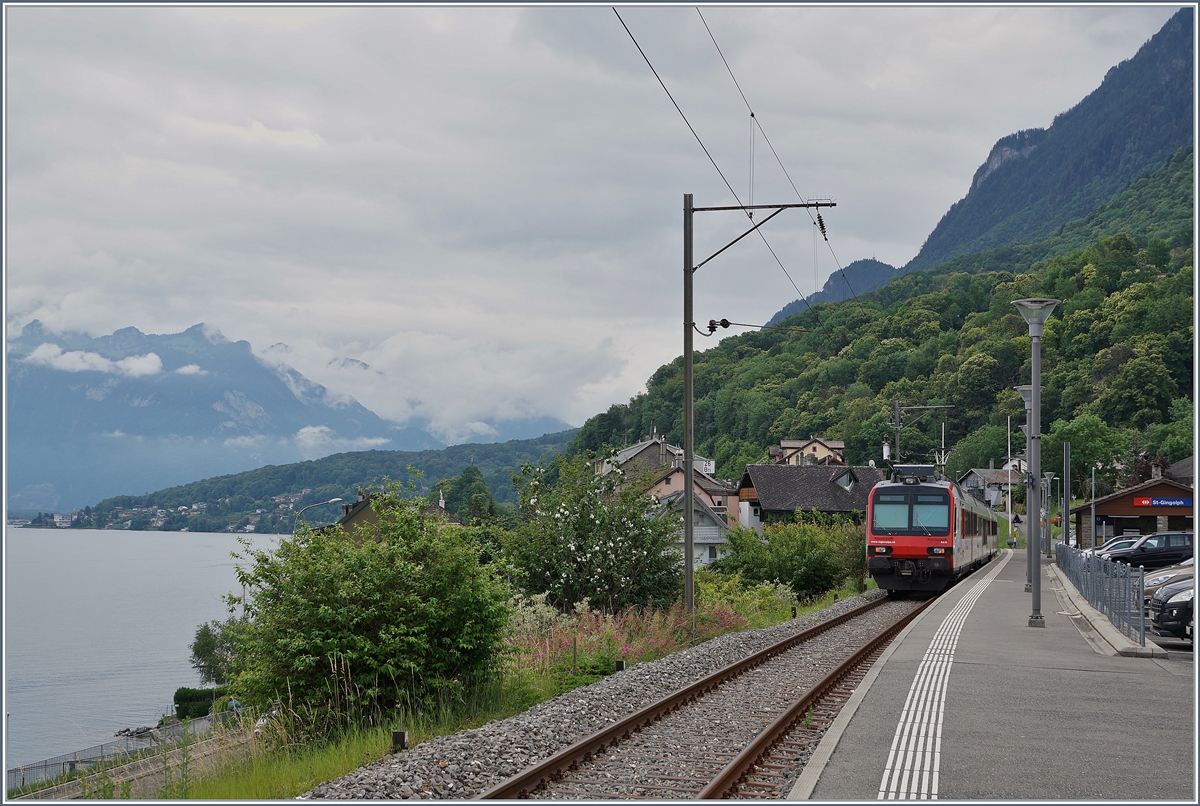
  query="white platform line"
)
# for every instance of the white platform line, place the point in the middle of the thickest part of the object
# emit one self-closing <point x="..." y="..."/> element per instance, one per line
<point x="913" y="768"/>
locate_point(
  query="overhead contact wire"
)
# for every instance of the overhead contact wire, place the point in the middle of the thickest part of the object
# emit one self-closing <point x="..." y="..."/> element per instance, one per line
<point x="735" y="193"/>
<point x="758" y="124"/>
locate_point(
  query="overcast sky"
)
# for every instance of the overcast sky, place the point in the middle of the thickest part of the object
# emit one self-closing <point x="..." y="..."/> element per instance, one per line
<point x="483" y="205"/>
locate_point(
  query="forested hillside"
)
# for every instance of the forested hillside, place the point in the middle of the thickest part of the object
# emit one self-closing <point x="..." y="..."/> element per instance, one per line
<point x="264" y="499"/>
<point x="1119" y="347"/>
<point x="1036" y="180"/>
<point x="856" y="278"/>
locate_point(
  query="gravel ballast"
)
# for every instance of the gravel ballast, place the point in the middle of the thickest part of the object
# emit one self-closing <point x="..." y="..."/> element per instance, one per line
<point x="463" y="764"/>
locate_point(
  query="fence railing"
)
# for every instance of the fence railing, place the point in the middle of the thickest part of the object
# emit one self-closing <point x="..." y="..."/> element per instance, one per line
<point x="122" y="749"/>
<point x="1115" y="589"/>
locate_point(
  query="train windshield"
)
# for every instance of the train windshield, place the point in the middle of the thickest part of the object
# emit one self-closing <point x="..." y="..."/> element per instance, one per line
<point x="910" y="512"/>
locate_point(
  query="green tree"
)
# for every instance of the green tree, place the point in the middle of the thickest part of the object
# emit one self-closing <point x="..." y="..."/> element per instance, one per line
<point x="213" y="650"/>
<point x="1175" y="439"/>
<point x="1093" y="444"/>
<point x="977" y="448"/>
<point x="345" y="628"/>
<point x="1141" y="394"/>
<point x="467" y="496"/>
<point x="812" y="555"/>
<point x="1158" y="254"/>
<point x="594" y="537"/>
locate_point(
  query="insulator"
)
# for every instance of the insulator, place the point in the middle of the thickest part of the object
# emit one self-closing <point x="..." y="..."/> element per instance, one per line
<point x="821" y="225"/>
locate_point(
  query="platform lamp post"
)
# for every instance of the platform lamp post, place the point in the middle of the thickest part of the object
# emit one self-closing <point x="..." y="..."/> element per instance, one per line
<point x="296" y="517"/>
<point x="1026" y="393"/>
<point x="1036" y="311"/>
<point x="1049" y="479"/>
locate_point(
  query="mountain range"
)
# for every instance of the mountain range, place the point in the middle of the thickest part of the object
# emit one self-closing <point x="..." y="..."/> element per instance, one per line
<point x="130" y="412"/>
<point x="1107" y="188"/>
<point x="1036" y="180"/>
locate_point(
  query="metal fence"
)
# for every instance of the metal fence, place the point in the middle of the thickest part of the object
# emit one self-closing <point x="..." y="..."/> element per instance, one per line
<point x="1115" y="589"/>
<point x="119" y="751"/>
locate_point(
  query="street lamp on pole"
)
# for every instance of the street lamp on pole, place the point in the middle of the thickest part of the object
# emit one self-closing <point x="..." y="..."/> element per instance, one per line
<point x="296" y="517"/>
<point x="1036" y="310"/>
<point x="1049" y="477"/>
<point x="1026" y="393"/>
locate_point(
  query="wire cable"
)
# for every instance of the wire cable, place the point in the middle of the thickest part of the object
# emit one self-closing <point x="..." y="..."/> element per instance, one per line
<point x="756" y="122"/>
<point x="733" y="192"/>
<point x="713" y="324"/>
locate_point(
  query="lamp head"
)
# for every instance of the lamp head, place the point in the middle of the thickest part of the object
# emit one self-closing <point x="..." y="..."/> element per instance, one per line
<point x="1036" y="311"/>
<point x="1027" y="394"/>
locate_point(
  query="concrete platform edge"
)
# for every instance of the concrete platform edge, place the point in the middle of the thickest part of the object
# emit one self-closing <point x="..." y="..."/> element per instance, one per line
<point x="807" y="782"/>
<point x="1120" y="643"/>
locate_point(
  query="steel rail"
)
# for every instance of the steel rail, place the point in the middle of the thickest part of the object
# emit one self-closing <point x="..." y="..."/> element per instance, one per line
<point x="727" y="782"/>
<point x="556" y="765"/>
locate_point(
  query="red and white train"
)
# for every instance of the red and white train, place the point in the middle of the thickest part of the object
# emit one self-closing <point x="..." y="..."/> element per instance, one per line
<point x="924" y="531"/>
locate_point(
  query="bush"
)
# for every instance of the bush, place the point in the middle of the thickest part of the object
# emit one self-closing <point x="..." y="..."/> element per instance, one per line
<point x="594" y="538"/>
<point x="191" y="703"/>
<point x="343" y="629"/>
<point x="761" y="605"/>
<point x="811" y="556"/>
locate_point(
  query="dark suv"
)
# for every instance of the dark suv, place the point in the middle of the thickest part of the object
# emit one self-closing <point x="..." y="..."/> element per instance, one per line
<point x="1171" y="608"/>
<point x="1154" y="551"/>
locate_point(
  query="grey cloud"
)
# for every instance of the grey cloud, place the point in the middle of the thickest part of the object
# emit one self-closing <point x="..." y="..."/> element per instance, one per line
<point x="483" y="204"/>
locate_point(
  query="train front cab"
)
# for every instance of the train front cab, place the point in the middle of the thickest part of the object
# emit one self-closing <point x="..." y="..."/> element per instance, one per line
<point x="923" y="531"/>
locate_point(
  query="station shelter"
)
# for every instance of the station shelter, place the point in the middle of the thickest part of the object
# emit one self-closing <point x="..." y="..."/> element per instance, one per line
<point x="1157" y="505"/>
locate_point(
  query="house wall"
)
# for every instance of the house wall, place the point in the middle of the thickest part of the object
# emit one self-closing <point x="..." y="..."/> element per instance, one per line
<point x="750" y="515"/>
<point x="674" y="483"/>
<point x="796" y="456"/>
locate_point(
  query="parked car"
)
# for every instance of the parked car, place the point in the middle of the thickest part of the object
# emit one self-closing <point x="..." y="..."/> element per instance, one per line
<point x="1171" y="609"/>
<point x="1114" y="543"/>
<point x="1158" y="550"/>
<point x="1174" y="573"/>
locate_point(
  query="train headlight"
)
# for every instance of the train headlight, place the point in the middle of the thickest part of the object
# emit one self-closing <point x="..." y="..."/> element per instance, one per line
<point x="881" y="549"/>
<point x="940" y="551"/>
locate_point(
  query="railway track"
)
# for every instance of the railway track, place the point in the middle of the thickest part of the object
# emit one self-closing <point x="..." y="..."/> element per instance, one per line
<point x="742" y="731"/>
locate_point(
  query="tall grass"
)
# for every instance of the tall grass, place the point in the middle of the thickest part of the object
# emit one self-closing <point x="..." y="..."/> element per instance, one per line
<point x="547" y="654"/>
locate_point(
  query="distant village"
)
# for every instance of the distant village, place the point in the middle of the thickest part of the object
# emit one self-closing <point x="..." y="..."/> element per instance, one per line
<point x="804" y="475"/>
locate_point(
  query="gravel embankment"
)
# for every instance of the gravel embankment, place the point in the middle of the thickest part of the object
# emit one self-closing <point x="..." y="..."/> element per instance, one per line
<point x="466" y="763"/>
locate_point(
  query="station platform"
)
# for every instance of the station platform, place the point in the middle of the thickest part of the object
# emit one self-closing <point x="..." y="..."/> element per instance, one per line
<point x="971" y="703"/>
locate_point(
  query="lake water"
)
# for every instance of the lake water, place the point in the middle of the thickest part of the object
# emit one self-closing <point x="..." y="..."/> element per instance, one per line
<point x="98" y="627"/>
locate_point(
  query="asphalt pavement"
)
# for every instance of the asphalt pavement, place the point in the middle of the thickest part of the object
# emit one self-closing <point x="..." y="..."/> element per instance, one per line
<point x="972" y="703"/>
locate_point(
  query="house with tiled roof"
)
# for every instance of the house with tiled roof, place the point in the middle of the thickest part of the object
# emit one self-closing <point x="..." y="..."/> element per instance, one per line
<point x="775" y="492"/>
<point x="652" y="455"/>
<point x="989" y="485"/>
<point x="361" y="513"/>
<point x="812" y="451"/>
<point x="1182" y="471"/>
<point x="709" y="528"/>
<point x="716" y="493"/>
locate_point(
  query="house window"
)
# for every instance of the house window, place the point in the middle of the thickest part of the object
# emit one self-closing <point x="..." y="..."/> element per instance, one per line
<point x="756" y="512"/>
<point x="845" y="481"/>
<point x="712" y="552"/>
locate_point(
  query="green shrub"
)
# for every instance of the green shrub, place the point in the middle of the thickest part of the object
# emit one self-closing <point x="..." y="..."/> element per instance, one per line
<point x="191" y="703"/>
<point x="813" y="555"/>
<point x="344" y="628"/>
<point x="594" y="537"/>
